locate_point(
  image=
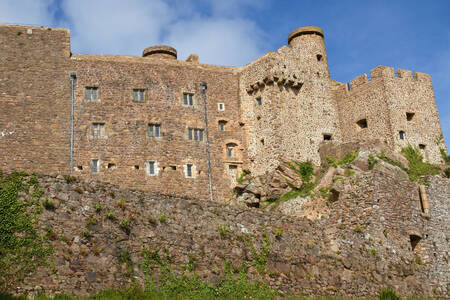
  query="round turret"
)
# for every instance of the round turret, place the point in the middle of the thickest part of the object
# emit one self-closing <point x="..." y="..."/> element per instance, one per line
<point x="306" y="30"/>
<point x="160" y="51"/>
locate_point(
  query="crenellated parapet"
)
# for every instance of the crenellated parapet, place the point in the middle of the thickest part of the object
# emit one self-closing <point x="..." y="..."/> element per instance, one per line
<point x="275" y="77"/>
<point x="383" y="73"/>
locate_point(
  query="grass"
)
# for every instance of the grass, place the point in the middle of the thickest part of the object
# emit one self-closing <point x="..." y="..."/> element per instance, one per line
<point x="418" y="168"/>
<point x="347" y="159"/>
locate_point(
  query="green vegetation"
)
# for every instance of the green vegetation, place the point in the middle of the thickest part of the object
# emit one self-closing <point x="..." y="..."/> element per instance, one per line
<point x="418" y="168"/>
<point x="22" y="249"/>
<point x="111" y="215"/>
<point x="278" y="232"/>
<point x="388" y="294"/>
<point x="70" y="179"/>
<point x="372" y="161"/>
<point x="240" y="179"/>
<point x="97" y="207"/>
<point x="223" y="230"/>
<point x="125" y="223"/>
<point x="162" y="218"/>
<point x="346" y="160"/>
<point x="447" y="172"/>
<point x="48" y="204"/>
<point x="124" y="257"/>
<point x="445" y="156"/>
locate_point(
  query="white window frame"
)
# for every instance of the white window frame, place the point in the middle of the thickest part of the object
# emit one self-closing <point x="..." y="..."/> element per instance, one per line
<point x="192" y="168"/>
<point x="221" y="106"/>
<point x="188" y="99"/>
<point x="154" y="130"/>
<point x="148" y="165"/>
<point x="139" y="95"/>
<point x="92" y="93"/>
<point x="95" y="165"/>
<point x="222" y="125"/>
<point x="195" y="134"/>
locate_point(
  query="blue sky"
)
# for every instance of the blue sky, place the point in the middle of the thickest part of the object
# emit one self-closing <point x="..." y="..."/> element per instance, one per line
<point x="359" y="35"/>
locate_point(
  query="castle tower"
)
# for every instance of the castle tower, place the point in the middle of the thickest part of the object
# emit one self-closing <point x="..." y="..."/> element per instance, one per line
<point x="308" y="46"/>
<point x="287" y="104"/>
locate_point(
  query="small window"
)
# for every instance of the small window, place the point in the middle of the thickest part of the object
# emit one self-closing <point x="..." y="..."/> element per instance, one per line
<point x="154" y="130"/>
<point x="409" y="116"/>
<point x="80" y="168"/>
<point x="327" y="137"/>
<point x="152" y="168"/>
<point x="98" y="130"/>
<point x="189" y="168"/>
<point x="422" y="146"/>
<point x="188" y="99"/>
<point x="136" y="167"/>
<point x="92" y="93"/>
<point x="95" y="165"/>
<point x="401" y="134"/>
<point x="231" y="150"/>
<point x="195" y="134"/>
<point x="173" y="168"/>
<point x="139" y="95"/>
<point x="222" y="125"/>
<point x="362" y="123"/>
<point x="414" y="240"/>
<point x="319" y="57"/>
<point x="262" y="142"/>
<point x="221" y="106"/>
<point x="111" y="166"/>
<point x="259" y="101"/>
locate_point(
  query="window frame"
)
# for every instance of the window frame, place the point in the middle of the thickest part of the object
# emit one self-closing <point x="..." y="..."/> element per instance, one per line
<point x="195" y="134"/>
<point x="88" y="90"/>
<point x="221" y="106"/>
<point x="155" y="131"/>
<point x="188" y="99"/>
<point x="98" y="130"/>
<point x="152" y="165"/>
<point x="95" y="165"/>
<point x="141" y="93"/>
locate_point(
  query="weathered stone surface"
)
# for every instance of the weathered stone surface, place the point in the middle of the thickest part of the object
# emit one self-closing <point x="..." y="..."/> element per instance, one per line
<point x="365" y="232"/>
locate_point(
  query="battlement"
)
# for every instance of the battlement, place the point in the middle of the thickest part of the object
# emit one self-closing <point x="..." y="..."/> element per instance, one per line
<point x="383" y="72"/>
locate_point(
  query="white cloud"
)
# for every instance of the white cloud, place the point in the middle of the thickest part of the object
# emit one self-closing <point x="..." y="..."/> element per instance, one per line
<point x="227" y="42"/>
<point x="28" y="12"/>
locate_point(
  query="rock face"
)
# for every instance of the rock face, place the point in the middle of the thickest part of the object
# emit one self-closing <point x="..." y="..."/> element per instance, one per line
<point x="374" y="235"/>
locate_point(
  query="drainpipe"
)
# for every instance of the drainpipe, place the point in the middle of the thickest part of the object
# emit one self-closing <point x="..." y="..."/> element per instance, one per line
<point x="73" y="77"/>
<point x="208" y="153"/>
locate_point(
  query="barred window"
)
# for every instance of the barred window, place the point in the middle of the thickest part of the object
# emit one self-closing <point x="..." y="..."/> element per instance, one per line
<point x="92" y="93"/>
<point x="154" y="130"/>
<point x="195" y="134"/>
<point x="139" y="95"/>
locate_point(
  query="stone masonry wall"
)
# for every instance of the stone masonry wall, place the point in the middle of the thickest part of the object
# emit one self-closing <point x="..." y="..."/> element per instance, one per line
<point x="127" y="143"/>
<point x="361" y="247"/>
<point x="34" y="98"/>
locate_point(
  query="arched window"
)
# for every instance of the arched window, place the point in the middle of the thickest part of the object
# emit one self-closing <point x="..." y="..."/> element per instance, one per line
<point x="231" y="150"/>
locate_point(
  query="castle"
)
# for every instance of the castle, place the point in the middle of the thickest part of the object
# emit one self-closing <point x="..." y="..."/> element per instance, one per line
<point x="159" y="124"/>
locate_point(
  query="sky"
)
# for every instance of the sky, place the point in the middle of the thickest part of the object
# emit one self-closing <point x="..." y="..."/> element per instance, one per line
<point x="359" y="35"/>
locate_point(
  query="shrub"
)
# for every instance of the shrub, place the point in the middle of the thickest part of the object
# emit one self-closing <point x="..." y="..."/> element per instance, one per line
<point x="162" y="218"/>
<point x="447" y="172"/>
<point x="70" y="179"/>
<point x="372" y="161"/>
<point x="48" y="204"/>
<point x="97" y="207"/>
<point x="223" y="230"/>
<point x="417" y="167"/>
<point x="121" y="203"/>
<point x="388" y="294"/>
<point x="111" y="215"/>
<point x="445" y="156"/>
<point x="125" y="223"/>
<point x="347" y="159"/>
<point x="86" y="233"/>
<point x="278" y="232"/>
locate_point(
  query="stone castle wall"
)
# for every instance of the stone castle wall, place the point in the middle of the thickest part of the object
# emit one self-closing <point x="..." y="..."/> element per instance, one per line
<point x="361" y="247"/>
<point x="300" y="108"/>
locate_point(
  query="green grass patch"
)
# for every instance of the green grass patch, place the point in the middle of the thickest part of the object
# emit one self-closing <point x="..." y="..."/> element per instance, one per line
<point x="418" y="168"/>
<point x="347" y="159"/>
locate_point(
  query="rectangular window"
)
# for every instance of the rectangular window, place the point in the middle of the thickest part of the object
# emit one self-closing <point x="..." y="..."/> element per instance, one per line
<point x="188" y="170"/>
<point x="259" y="101"/>
<point x="94" y="165"/>
<point x="154" y="130"/>
<point x="221" y="106"/>
<point x="222" y="125"/>
<point x="92" y="93"/>
<point x="98" y="130"/>
<point x="188" y="99"/>
<point x="138" y="95"/>
<point x="195" y="134"/>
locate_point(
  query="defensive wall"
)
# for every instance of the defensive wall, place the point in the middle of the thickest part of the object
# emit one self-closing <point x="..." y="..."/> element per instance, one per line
<point x="176" y="127"/>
